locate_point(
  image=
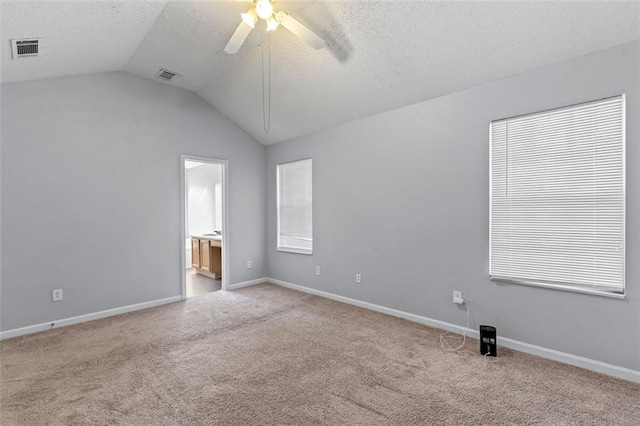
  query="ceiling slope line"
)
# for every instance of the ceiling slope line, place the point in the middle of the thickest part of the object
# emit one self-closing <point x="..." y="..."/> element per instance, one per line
<point x="146" y="34"/>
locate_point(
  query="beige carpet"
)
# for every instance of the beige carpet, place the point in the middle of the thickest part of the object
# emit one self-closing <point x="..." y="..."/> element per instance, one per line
<point x="266" y="355"/>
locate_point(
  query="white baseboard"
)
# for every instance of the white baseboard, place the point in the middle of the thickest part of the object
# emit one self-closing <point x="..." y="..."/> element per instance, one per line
<point x="247" y="283"/>
<point x="107" y="313"/>
<point x="86" y="317"/>
<point x="578" y="361"/>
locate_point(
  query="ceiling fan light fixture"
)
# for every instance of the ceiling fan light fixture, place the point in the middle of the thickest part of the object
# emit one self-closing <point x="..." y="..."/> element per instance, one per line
<point x="264" y="8"/>
<point x="250" y="18"/>
<point x="272" y="24"/>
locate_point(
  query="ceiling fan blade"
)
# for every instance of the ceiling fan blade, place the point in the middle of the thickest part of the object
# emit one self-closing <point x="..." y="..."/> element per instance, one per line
<point x="293" y="25"/>
<point x="238" y="37"/>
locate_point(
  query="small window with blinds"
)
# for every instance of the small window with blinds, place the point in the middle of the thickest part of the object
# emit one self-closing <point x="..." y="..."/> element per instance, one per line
<point x="294" y="199"/>
<point x="558" y="198"/>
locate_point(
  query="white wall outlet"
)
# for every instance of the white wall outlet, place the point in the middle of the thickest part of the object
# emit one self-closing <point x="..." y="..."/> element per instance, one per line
<point x="249" y="264"/>
<point x="317" y="270"/>
<point x="457" y="297"/>
<point x="56" y="295"/>
<point x="358" y="279"/>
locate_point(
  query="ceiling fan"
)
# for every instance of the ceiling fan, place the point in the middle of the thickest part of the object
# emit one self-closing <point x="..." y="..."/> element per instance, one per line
<point x="263" y="9"/>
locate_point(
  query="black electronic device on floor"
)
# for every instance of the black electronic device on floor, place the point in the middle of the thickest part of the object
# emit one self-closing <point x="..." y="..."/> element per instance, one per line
<point x="488" y="341"/>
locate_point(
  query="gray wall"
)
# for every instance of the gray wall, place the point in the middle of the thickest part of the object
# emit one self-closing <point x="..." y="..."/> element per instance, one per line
<point x="403" y="198"/>
<point x="91" y="193"/>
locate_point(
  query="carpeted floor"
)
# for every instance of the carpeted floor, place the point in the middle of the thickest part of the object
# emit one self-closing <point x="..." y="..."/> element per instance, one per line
<point x="265" y="355"/>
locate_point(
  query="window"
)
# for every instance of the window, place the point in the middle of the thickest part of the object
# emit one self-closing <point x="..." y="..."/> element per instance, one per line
<point x="558" y="198"/>
<point x="295" y="225"/>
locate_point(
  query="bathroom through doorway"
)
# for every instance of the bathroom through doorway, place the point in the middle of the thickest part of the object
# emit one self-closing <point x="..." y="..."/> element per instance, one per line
<point x="204" y="254"/>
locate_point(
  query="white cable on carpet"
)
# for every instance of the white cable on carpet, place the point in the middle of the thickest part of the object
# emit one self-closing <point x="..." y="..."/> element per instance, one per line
<point x="444" y="342"/>
<point x="445" y="346"/>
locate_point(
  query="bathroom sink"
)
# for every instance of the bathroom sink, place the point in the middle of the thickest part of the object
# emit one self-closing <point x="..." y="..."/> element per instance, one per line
<point x="213" y="236"/>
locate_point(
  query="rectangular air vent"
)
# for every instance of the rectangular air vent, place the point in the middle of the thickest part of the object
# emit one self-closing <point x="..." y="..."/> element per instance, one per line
<point x="24" y="47"/>
<point x="166" y="75"/>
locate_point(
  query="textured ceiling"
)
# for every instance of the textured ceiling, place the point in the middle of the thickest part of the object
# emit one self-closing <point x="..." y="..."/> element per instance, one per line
<point x="76" y="37"/>
<point x="381" y="55"/>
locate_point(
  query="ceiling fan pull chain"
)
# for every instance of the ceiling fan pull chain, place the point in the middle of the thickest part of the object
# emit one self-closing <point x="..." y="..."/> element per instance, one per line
<point x="266" y="85"/>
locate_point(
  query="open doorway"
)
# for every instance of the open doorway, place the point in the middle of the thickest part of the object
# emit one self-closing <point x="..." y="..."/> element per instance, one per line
<point x="204" y="247"/>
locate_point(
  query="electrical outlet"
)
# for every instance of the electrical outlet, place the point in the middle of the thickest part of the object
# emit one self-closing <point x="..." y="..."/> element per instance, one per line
<point x="249" y="264"/>
<point x="56" y="295"/>
<point x="317" y="270"/>
<point x="457" y="297"/>
<point x="358" y="279"/>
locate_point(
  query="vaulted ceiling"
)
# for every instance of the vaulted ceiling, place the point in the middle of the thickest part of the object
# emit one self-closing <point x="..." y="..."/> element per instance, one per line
<point x="380" y="55"/>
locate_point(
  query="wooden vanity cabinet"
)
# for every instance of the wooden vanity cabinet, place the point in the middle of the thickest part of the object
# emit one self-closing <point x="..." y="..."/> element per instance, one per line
<point x="216" y="258"/>
<point x="195" y="253"/>
<point x="206" y="256"/>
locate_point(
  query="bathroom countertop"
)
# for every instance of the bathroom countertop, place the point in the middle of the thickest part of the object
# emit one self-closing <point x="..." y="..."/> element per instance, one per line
<point x="208" y="237"/>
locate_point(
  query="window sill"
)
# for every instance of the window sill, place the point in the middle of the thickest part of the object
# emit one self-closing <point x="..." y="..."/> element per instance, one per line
<point x="295" y="250"/>
<point x="596" y="291"/>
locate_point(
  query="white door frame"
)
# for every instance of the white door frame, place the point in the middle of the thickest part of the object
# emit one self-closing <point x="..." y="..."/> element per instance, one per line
<point x="225" y="217"/>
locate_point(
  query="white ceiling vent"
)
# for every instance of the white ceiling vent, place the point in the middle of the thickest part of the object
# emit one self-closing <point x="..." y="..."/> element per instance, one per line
<point x="24" y="47"/>
<point x="166" y="75"/>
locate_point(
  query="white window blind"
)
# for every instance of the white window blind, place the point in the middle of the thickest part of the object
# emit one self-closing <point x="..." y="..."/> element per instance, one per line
<point x="558" y="198"/>
<point x="295" y="222"/>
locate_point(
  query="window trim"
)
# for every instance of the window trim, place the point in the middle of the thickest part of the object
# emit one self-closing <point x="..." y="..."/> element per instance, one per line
<point x="575" y="288"/>
<point x="286" y="249"/>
